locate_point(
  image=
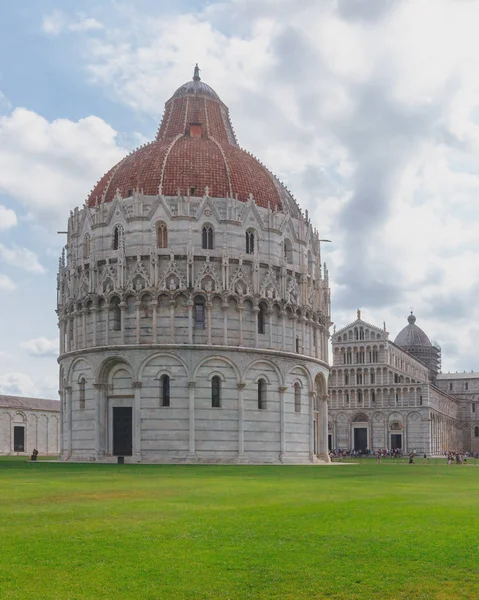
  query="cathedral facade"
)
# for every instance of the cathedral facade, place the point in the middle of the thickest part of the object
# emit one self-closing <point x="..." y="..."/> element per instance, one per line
<point x="193" y="308"/>
<point x="389" y="395"/>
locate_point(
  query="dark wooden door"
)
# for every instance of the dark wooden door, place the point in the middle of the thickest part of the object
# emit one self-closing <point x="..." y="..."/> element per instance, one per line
<point x="122" y="431"/>
<point x="19" y="439"/>
<point x="360" y="439"/>
<point x="396" y="441"/>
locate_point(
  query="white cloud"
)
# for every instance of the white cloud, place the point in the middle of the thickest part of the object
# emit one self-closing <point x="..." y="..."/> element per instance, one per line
<point x="8" y="218"/>
<point x="53" y="23"/>
<point x="6" y="284"/>
<point x="63" y="160"/>
<point x="58" y="22"/>
<point x="22" y="258"/>
<point x="86" y="24"/>
<point x="41" y="347"/>
<point x="21" y="384"/>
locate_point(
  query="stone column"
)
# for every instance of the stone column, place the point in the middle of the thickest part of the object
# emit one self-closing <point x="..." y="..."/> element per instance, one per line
<point x="208" y="307"/>
<point x="137" y="421"/>
<point x="94" y="312"/>
<point x="323" y="426"/>
<point x="75" y="331"/>
<point x="69" y="411"/>
<point x="191" y="414"/>
<point x="241" y="456"/>
<point x="240" y="310"/>
<point x="255" y="320"/>
<point x="283" y="329"/>
<point x="107" y="323"/>
<point x="172" y="321"/>
<point x="61" y="325"/>
<point x="311" y="347"/>
<point x="123" y="306"/>
<point x="99" y="421"/>
<point x="294" y="317"/>
<point x="137" y="314"/>
<point x="225" y="323"/>
<point x="190" y="322"/>
<point x="303" y="341"/>
<point x="312" y="417"/>
<point x="270" y="327"/>
<point x="154" y="321"/>
<point x="282" y="420"/>
<point x="61" y="393"/>
<point x="83" y="327"/>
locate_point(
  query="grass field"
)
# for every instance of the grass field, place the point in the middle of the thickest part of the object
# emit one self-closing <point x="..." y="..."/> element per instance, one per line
<point x="363" y="531"/>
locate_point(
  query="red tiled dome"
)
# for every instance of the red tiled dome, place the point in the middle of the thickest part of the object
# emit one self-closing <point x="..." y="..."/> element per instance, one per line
<point x="195" y="147"/>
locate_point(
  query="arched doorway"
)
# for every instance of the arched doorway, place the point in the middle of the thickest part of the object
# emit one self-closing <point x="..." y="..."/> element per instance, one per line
<point x="360" y="433"/>
<point x="320" y="418"/>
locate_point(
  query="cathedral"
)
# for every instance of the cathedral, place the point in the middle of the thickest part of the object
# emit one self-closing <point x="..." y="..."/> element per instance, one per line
<point x="390" y="395"/>
<point x="193" y="308"/>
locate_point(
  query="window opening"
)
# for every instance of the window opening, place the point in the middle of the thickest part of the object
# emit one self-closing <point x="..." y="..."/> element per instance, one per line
<point x="161" y="235"/>
<point x="216" y="392"/>
<point x="81" y="387"/>
<point x="250" y="242"/>
<point x="261" y="394"/>
<point x="261" y="319"/>
<point x="297" y="398"/>
<point x="165" y="390"/>
<point x="199" y="314"/>
<point x="207" y="238"/>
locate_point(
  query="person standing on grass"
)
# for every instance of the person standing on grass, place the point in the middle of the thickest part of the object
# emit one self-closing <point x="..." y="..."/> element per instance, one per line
<point x="425" y="459"/>
<point x="411" y="458"/>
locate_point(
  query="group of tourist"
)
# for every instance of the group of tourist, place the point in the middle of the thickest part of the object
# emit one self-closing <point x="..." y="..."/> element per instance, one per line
<point x="457" y="458"/>
<point x="381" y="453"/>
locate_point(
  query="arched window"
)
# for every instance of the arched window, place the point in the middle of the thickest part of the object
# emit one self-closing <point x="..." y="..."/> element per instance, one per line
<point x="360" y="396"/>
<point x="250" y="237"/>
<point x="199" y="313"/>
<point x="165" y="390"/>
<point x="346" y="379"/>
<point x="81" y="396"/>
<point x="118" y="233"/>
<point x="161" y="235"/>
<point x="116" y="314"/>
<point x="288" y="251"/>
<point x="297" y="345"/>
<point x="261" y="394"/>
<point x="476" y="431"/>
<point x="297" y="397"/>
<point x="261" y="319"/>
<point x="373" y="396"/>
<point x="207" y="237"/>
<point x="361" y="333"/>
<point x="86" y="246"/>
<point x="359" y="378"/>
<point x="216" y="392"/>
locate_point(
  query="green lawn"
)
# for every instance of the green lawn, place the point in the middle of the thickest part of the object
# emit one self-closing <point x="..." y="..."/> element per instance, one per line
<point x="363" y="531"/>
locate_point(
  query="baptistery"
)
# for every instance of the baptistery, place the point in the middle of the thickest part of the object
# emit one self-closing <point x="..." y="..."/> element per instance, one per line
<point x="193" y="308"/>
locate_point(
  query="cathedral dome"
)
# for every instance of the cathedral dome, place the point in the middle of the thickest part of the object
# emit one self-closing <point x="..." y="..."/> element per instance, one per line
<point x="195" y="149"/>
<point x="412" y="335"/>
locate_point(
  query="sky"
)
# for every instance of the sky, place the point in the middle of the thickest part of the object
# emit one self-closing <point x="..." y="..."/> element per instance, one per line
<point x="368" y="110"/>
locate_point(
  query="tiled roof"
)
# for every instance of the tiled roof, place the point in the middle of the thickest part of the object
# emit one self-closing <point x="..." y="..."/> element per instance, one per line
<point x="195" y="147"/>
<point x="19" y="402"/>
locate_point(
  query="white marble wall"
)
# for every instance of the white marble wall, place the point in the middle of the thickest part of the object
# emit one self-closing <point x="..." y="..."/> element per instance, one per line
<point x="42" y="430"/>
